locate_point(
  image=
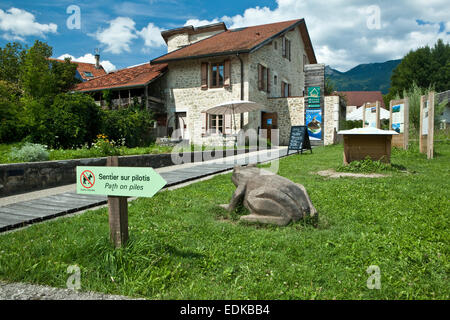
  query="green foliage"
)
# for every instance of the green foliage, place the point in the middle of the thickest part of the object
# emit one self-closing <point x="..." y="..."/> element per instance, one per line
<point x="108" y="147"/>
<point x="76" y="119"/>
<point x="351" y="124"/>
<point x="132" y="124"/>
<point x="11" y="112"/>
<point x="11" y="58"/>
<point x="29" y="152"/>
<point x="330" y="86"/>
<point x="427" y="67"/>
<point x="368" y="166"/>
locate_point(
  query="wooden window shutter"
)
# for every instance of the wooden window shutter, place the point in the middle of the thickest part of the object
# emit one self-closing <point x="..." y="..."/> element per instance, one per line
<point x="268" y="80"/>
<point x="282" y="88"/>
<point x="204" y="117"/>
<point x="260" y="77"/>
<point x="227" y="119"/>
<point x="289" y="90"/>
<point x="283" y="46"/>
<point x="289" y="50"/>
<point x="227" y="73"/>
<point x="204" y="75"/>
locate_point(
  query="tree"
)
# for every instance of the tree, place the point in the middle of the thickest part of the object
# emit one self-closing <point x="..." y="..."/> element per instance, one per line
<point x="11" y="126"/>
<point x="427" y="67"/>
<point x="76" y="119"/>
<point x="36" y="78"/>
<point x="11" y="57"/>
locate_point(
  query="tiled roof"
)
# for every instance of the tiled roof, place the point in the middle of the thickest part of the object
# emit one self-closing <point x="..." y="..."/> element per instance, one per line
<point x="84" y="67"/>
<point x="358" y="98"/>
<point x="125" y="78"/>
<point x="241" y="40"/>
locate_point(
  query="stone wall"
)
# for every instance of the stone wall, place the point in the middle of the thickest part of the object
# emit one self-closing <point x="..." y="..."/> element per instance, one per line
<point x="184" y="93"/>
<point x="291" y="112"/>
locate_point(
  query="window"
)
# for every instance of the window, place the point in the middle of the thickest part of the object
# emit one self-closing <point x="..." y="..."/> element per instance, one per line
<point x="88" y="74"/>
<point x="217" y="75"/>
<point x="275" y="45"/>
<point x="216" y="124"/>
<point x="285" y="89"/>
<point x="286" y="48"/>
<point x="304" y="61"/>
<point x="263" y="78"/>
<point x="275" y="80"/>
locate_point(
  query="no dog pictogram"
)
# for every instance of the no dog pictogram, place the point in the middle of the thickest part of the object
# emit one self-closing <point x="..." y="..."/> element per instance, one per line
<point x="87" y="179"/>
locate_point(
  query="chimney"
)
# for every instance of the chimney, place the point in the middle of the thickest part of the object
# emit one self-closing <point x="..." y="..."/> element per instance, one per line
<point x="97" y="59"/>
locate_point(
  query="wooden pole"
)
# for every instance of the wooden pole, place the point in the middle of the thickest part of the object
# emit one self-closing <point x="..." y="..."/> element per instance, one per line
<point x="430" y="138"/>
<point x="117" y="213"/>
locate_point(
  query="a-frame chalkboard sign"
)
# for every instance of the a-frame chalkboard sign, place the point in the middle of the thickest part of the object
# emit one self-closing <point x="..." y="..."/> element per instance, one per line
<point x="299" y="139"/>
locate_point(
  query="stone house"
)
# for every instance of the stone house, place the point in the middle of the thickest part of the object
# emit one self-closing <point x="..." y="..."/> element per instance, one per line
<point x="211" y="64"/>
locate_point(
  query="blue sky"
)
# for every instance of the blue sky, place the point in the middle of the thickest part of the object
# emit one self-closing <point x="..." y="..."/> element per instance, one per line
<point x="343" y="33"/>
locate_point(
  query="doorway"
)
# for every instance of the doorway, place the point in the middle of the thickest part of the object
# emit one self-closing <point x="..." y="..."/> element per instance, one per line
<point x="181" y="123"/>
<point x="269" y="122"/>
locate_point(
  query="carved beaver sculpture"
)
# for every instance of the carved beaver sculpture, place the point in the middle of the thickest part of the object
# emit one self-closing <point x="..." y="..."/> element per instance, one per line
<point x="270" y="198"/>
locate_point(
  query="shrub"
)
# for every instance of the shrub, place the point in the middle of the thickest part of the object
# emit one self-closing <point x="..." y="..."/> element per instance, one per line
<point x="106" y="146"/>
<point x="29" y="152"/>
<point x="11" y="128"/>
<point x="132" y="124"/>
<point x="368" y="166"/>
<point x="77" y="120"/>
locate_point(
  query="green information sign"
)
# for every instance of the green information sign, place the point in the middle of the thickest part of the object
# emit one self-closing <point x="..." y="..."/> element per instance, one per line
<point x="314" y="92"/>
<point x="119" y="181"/>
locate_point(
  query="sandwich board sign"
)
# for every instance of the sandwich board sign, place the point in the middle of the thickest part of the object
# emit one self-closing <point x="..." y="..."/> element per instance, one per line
<point x="399" y="122"/>
<point x="118" y="183"/>
<point x="371" y="115"/>
<point x="426" y="132"/>
<point x="299" y="139"/>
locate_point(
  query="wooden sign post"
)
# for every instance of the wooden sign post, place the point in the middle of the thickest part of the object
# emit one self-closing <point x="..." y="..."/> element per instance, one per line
<point x="371" y="115"/>
<point x="426" y="133"/>
<point x="117" y="213"/>
<point x="399" y="122"/>
<point x="118" y="183"/>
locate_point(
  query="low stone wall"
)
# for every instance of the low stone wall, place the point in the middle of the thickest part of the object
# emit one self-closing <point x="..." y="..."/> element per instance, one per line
<point x="32" y="176"/>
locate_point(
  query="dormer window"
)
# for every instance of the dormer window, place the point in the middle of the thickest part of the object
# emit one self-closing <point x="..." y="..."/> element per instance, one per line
<point x="88" y="74"/>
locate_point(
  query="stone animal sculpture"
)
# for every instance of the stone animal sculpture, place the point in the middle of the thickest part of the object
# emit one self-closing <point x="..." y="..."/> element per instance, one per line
<point x="270" y="198"/>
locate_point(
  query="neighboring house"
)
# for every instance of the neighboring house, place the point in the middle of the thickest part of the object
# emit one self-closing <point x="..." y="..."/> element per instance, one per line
<point x="356" y="99"/>
<point x="210" y="65"/>
<point x="87" y="71"/>
<point x="141" y="83"/>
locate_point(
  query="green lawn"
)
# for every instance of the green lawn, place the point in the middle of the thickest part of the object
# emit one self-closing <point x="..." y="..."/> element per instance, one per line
<point x="182" y="247"/>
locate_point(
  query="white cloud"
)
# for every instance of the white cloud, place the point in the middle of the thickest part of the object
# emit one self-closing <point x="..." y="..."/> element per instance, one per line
<point x="339" y="30"/>
<point x="152" y="36"/>
<point x="118" y="36"/>
<point x="90" y="58"/>
<point x="18" y="24"/>
<point x="197" y="22"/>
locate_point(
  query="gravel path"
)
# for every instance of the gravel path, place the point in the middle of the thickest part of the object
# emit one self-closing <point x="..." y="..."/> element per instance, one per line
<point x="22" y="291"/>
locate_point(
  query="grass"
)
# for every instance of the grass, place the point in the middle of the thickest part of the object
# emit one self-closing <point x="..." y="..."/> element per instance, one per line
<point x="183" y="246"/>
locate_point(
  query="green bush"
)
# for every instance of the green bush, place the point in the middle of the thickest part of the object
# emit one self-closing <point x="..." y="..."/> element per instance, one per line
<point x="11" y="128"/>
<point x="132" y="124"/>
<point x="76" y="120"/>
<point x="29" y="152"/>
<point x="369" y="166"/>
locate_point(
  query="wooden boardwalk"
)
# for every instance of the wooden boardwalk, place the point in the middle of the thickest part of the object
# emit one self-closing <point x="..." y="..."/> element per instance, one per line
<point x="23" y="213"/>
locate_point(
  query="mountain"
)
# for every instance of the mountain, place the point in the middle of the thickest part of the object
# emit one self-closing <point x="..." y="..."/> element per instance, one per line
<point x="364" y="77"/>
